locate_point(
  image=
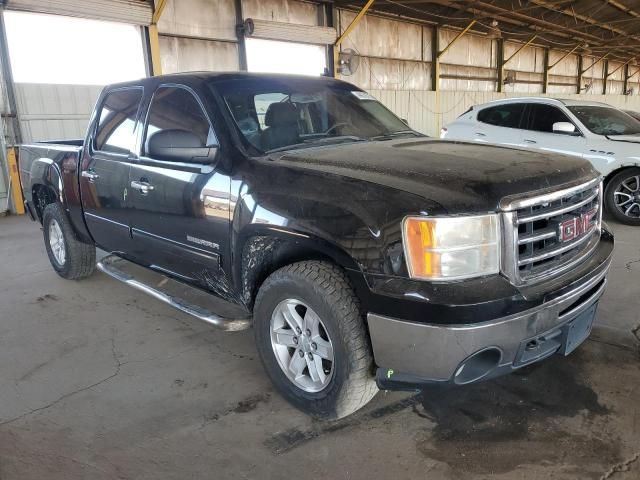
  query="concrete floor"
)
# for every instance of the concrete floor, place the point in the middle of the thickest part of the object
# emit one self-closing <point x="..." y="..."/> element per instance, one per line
<point x="99" y="381"/>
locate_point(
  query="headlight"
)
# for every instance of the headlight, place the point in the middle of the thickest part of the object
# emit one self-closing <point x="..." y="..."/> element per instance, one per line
<point x="451" y="248"/>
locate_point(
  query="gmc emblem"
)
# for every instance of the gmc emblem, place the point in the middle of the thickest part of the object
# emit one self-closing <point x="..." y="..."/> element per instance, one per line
<point x="576" y="227"/>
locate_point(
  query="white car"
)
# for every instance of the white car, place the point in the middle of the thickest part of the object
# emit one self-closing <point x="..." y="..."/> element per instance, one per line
<point x="600" y="133"/>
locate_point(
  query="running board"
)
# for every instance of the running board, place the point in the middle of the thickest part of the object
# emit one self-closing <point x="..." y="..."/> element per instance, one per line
<point x="187" y="299"/>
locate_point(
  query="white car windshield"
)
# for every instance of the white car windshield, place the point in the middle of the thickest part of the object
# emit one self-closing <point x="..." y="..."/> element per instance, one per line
<point x="606" y="120"/>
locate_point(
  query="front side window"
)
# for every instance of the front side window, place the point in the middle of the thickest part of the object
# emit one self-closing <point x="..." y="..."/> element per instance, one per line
<point x="175" y="108"/>
<point x="507" y="115"/>
<point x="542" y="117"/>
<point x="116" y="126"/>
<point x="603" y="120"/>
<point x="278" y="115"/>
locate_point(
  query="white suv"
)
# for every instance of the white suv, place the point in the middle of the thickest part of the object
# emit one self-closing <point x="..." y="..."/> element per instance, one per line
<point x="600" y="133"/>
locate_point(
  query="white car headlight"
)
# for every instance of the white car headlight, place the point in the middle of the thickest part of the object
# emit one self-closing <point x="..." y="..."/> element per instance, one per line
<point x="451" y="248"/>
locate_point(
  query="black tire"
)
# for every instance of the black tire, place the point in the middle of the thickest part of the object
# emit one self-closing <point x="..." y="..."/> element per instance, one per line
<point x="80" y="258"/>
<point x="609" y="199"/>
<point x="324" y="288"/>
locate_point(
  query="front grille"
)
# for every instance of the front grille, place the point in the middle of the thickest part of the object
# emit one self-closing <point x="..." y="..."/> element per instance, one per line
<point x="553" y="232"/>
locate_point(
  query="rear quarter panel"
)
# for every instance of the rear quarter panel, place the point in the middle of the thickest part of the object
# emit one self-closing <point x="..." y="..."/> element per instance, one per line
<point x="55" y="167"/>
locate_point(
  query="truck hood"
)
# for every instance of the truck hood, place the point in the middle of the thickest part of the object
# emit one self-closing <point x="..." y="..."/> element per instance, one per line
<point x="624" y="138"/>
<point x="461" y="177"/>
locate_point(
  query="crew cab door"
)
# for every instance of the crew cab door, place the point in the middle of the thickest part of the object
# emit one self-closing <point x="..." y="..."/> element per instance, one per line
<point x="539" y="134"/>
<point x="104" y="173"/>
<point x="179" y="197"/>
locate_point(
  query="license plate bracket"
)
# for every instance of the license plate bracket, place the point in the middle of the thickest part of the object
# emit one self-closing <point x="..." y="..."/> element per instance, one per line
<point x="578" y="330"/>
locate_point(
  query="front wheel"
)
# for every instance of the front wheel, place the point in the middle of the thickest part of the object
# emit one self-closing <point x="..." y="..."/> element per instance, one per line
<point x="622" y="196"/>
<point x="69" y="257"/>
<point x="312" y="340"/>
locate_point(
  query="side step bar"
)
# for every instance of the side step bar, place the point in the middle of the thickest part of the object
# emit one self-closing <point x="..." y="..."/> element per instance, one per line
<point x="188" y="299"/>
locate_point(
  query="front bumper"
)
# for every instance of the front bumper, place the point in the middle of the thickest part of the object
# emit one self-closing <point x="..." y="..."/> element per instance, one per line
<point x="410" y="354"/>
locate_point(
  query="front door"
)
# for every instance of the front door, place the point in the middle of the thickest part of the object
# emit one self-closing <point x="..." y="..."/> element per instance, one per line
<point x="539" y="134"/>
<point x="180" y="208"/>
<point x="104" y="174"/>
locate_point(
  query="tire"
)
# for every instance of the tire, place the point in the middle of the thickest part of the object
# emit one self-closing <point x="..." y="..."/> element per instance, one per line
<point x="70" y="258"/>
<point x="323" y="288"/>
<point x="617" y="191"/>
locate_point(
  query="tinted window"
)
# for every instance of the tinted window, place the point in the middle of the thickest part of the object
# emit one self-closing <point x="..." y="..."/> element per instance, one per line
<point x="606" y="120"/>
<point x="115" y="132"/>
<point x="508" y="115"/>
<point x="542" y="117"/>
<point x="174" y="108"/>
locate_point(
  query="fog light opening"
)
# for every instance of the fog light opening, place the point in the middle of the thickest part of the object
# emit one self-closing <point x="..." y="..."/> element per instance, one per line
<point x="478" y="365"/>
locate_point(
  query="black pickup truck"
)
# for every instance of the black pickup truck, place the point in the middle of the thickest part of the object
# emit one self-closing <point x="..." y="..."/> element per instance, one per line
<point x="364" y="254"/>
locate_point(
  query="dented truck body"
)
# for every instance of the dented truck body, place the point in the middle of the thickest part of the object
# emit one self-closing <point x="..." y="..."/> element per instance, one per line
<point x="228" y="216"/>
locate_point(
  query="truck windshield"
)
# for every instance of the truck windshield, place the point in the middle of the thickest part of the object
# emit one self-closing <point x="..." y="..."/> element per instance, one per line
<point x="606" y="120"/>
<point x="296" y="113"/>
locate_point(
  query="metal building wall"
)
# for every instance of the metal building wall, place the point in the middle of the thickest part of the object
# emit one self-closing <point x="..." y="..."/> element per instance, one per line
<point x="50" y="112"/>
<point x="428" y="111"/>
<point x="198" y="35"/>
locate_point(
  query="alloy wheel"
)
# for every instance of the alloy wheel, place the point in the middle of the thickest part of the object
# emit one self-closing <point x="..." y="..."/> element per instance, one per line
<point x="56" y="242"/>
<point x="627" y="197"/>
<point x="302" y="345"/>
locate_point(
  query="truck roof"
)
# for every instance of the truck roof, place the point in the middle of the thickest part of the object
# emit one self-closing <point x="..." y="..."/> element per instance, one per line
<point x="177" y="77"/>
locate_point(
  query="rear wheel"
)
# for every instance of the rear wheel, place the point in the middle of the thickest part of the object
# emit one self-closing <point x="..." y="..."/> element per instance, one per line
<point x="312" y="340"/>
<point x="69" y="257"/>
<point x="622" y="196"/>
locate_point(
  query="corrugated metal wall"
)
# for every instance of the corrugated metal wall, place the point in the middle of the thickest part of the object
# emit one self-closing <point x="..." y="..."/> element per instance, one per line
<point x="428" y="111"/>
<point x="198" y="35"/>
<point x="50" y="112"/>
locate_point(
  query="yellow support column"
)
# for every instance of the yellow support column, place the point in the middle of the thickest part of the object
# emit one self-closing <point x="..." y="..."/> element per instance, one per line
<point x="154" y="40"/>
<point x="154" y="46"/>
<point x="14" y="176"/>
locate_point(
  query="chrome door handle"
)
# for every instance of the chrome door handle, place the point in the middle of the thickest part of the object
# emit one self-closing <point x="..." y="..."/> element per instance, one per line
<point x="142" y="187"/>
<point x="529" y="141"/>
<point x="90" y="175"/>
<point x="480" y="134"/>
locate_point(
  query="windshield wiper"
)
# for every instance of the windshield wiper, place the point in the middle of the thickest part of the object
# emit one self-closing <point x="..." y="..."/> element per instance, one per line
<point x="390" y="135"/>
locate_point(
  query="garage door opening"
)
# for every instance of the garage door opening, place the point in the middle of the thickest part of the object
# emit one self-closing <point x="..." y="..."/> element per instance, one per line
<point x="54" y="49"/>
<point x="270" y="56"/>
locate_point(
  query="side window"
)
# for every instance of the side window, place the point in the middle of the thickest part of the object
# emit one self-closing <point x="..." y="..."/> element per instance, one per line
<point x="542" y="117"/>
<point x="175" y="108"/>
<point x="507" y="115"/>
<point x="115" y="132"/>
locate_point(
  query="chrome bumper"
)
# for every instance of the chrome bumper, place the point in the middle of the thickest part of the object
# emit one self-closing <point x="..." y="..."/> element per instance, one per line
<point x="436" y="353"/>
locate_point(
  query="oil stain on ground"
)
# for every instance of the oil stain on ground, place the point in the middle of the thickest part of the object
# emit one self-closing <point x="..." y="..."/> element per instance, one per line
<point x="494" y="427"/>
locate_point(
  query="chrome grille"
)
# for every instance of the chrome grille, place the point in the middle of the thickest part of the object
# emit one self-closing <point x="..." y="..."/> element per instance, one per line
<point x="552" y="232"/>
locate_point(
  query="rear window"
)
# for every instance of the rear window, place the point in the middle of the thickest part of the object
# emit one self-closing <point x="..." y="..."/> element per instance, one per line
<point x="508" y="115"/>
<point x="116" y="125"/>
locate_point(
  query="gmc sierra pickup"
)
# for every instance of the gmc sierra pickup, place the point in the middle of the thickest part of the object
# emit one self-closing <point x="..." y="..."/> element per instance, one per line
<point x="364" y="254"/>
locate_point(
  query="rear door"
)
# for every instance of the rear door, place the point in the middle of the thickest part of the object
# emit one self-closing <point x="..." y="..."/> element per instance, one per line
<point x="539" y="134"/>
<point x="180" y="209"/>
<point x="500" y="124"/>
<point x="104" y="174"/>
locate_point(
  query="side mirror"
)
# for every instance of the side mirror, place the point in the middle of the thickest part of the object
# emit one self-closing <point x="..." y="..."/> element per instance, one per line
<point x="179" y="146"/>
<point x="564" y="127"/>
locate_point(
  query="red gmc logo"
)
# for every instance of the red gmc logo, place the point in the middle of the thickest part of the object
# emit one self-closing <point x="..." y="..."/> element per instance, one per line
<point x="576" y="227"/>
